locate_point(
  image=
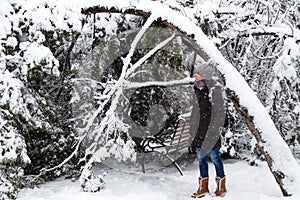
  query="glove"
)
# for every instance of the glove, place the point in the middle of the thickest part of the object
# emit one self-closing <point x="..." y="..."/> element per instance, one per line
<point x="197" y="142"/>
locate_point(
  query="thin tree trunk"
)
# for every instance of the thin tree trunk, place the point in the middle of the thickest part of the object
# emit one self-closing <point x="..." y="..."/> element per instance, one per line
<point x="248" y="120"/>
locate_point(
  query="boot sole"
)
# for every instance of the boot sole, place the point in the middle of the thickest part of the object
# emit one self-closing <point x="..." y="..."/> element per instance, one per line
<point x="199" y="196"/>
<point x="222" y="195"/>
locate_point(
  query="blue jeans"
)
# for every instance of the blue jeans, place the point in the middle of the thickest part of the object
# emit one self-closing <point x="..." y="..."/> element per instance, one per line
<point x="215" y="158"/>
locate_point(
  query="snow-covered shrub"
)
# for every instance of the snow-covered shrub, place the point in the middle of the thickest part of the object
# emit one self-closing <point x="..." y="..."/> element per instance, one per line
<point x="13" y="150"/>
<point x="285" y="109"/>
<point x="12" y="160"/>
<point x="7" y="190"/>
<point x="89" y="181"/>
<point x="92" y="183"/>
<point x="31" y="104"/>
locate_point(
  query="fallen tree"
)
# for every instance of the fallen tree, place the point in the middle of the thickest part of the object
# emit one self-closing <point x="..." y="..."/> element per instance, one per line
<point x="280" y="160"/>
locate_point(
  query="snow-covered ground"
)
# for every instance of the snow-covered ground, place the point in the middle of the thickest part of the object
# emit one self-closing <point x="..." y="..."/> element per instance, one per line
<point x="243" y="182"/>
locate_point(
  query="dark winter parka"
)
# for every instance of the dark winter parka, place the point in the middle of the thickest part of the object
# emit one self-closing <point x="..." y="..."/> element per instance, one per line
<point x="206" y="128"/>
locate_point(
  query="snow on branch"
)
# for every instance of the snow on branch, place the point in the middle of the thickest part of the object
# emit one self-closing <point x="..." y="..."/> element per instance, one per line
<point x="185" y="81"/>
<point x="137" y="38"/>
<point x="148" y="55"/>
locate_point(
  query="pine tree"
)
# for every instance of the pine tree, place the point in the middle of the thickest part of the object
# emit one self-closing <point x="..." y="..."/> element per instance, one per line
<point x="34" y="123"/>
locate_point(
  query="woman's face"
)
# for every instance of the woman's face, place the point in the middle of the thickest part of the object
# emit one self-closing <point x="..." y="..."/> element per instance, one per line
<point x="198" y="77"/>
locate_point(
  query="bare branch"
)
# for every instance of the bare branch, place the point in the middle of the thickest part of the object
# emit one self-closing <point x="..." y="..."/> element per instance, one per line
<point x="149" y="54"/>
<point x="131" y="11"/>
<point x="266" y="57"/>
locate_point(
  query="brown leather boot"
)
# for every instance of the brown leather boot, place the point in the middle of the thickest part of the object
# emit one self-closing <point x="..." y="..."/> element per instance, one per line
<point x="203" y="188"/>
<point x="221" y="188"/>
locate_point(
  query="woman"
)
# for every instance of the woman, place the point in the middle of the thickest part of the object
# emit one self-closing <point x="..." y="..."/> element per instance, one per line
<point x="207" y="139"/>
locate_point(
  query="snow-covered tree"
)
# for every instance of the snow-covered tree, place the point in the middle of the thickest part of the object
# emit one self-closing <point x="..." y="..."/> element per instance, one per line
<point x="285" y="107"/>
<point x="253" y="42"/>
<point x="127" y="121"/>
<point x="34" y="133"/>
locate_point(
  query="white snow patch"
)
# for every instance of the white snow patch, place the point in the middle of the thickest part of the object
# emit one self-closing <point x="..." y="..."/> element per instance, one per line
<point x="243" y="182"/>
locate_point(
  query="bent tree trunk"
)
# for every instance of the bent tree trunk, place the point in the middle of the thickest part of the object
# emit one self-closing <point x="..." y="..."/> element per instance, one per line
<point x="280" y="160"/>
<point x="278" y="175"/>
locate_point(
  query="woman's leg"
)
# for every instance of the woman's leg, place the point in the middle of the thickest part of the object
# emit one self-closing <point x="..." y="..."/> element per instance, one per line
<point x="220" y="179"/>
<point x="202" y="159"/>
<point x="217" y="161"/>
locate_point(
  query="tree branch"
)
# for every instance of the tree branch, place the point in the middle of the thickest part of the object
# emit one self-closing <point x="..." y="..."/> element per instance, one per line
<point x="132" y="11"/>
<point x="185" y="81"/>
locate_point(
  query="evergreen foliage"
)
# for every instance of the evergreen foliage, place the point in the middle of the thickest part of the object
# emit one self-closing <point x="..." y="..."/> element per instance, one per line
<point x="35" y="132"/>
